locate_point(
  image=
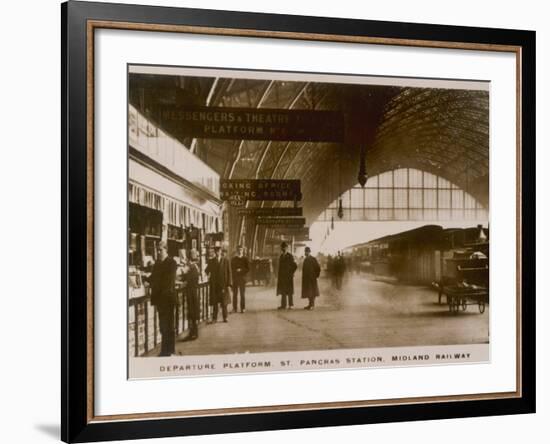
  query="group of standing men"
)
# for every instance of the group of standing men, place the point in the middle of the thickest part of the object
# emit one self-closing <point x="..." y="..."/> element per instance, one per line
<point x="285" y="278"/>
<point x="162" y="282"/>
<point x="224" y="277"/>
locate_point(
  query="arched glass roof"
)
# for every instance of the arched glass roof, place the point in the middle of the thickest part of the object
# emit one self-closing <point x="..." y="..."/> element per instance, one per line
<point x="405" y="194"/>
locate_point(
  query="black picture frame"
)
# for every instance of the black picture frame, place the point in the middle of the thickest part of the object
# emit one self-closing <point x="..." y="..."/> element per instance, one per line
<point x="77" y="421"/>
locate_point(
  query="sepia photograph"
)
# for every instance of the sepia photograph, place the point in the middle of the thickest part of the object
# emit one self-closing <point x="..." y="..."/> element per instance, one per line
<point x="289" y="221"/>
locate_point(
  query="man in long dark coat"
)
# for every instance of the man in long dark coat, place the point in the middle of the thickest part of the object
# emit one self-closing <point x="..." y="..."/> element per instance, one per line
<point x="285" y="278"/>
<point x="340" y="269"/>
<point x="239" y="270"/>
<point x="220" y="282"/>
<point x="310" y="273"/>
<point x="191" y="280"/>
<point x="163" y="297"/>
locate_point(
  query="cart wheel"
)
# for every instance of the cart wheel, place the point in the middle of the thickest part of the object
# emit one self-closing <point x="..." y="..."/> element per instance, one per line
<point x="481" y="307"/>
<point x="464" y="305"/>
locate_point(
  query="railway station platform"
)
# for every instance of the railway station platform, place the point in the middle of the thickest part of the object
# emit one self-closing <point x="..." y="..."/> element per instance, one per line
<point x="366" y="313"/>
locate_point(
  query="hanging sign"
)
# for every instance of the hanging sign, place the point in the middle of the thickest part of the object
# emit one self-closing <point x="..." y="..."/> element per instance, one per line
<point x="252" y="123"/>
<point x="270" y="211"/>
<point x="282" y="222"/>
<point x="241" y="190"/>
<point x="296" y="232"/>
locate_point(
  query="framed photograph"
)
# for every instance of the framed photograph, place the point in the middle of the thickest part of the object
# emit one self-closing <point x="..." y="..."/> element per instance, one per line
<point x="276" y="221"/>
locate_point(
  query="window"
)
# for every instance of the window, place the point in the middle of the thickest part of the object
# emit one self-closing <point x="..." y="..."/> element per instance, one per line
<point x="406" y="194"/>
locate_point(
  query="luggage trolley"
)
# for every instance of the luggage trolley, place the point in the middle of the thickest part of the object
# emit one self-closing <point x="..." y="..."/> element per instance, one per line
<point x="466" y="283"/>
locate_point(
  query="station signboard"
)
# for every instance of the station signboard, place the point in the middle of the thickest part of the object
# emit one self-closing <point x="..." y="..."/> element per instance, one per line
<point x="238" y="191"/>
<point x="293" y="232"/>
<point x="252" y="123"/>
<point x="281" y="222"/>
<point x="271" y="212"/>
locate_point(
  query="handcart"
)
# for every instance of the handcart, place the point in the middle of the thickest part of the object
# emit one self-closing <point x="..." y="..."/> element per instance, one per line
<point x="466" y="283"/>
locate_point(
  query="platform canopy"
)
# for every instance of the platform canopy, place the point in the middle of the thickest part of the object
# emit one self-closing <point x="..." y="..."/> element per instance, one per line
<point x="441" y="131"/>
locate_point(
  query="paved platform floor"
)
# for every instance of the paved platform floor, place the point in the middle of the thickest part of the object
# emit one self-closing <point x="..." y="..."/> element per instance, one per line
<point x="365" y="313"/>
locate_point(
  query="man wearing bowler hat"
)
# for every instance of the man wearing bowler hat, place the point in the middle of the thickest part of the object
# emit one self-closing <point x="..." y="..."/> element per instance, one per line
<point x="239" y="270"/>
<point x="220" y="280"/>
<point x="310" y="273"/>
<point x="163" y="297"/>
<point x="285" y="278"/>
<point x="191" y="279"/>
